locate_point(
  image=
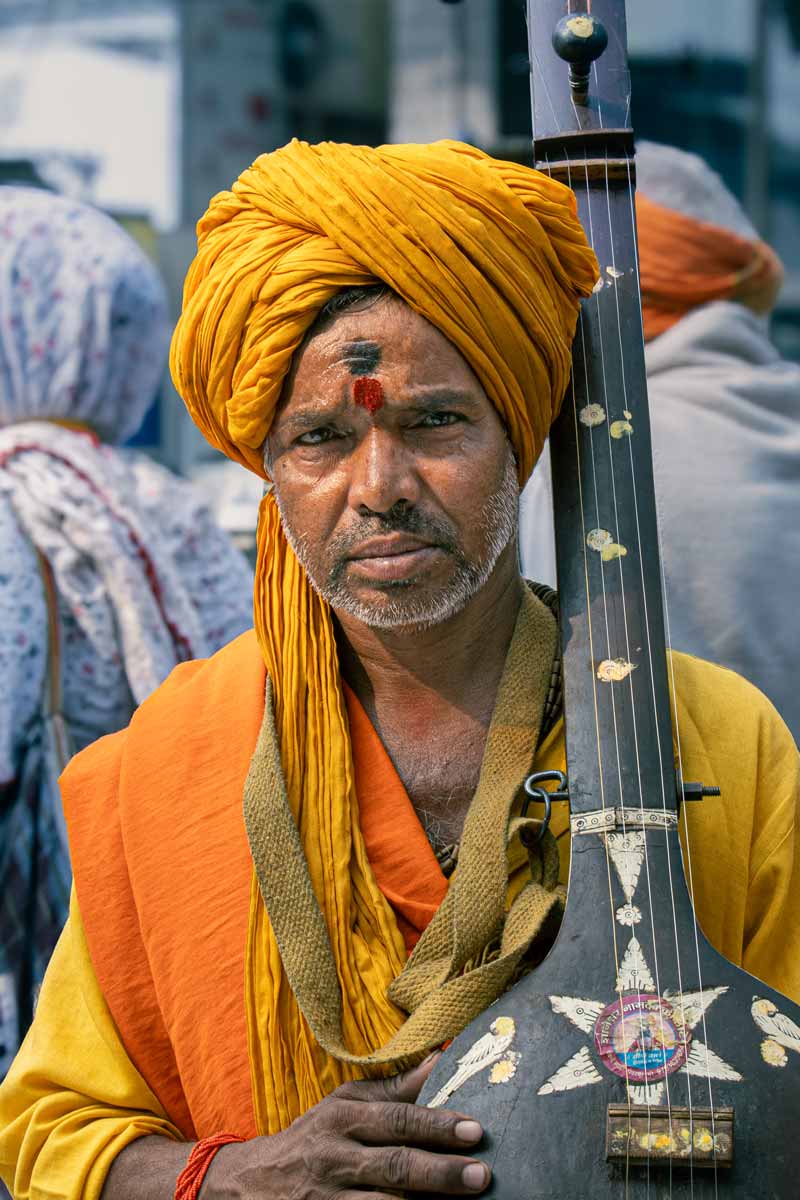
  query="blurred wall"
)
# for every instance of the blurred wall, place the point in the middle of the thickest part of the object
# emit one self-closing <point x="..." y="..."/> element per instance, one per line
<point x="444" y="70"/>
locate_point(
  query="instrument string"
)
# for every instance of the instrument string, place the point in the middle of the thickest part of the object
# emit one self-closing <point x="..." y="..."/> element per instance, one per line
<point x="598" y="92"/>
<point x="542" y="77"/>
<point x="601" y="344"/>
<point x="667" y="832"/>
<point x="609" y="653"/>
<point x="592" y="661"/>
<point x="676" y="719"/>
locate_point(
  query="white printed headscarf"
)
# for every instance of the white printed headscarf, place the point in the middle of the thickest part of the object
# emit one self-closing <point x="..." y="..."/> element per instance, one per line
<point x="83" y="337"/>
<point x="83" y="317"/>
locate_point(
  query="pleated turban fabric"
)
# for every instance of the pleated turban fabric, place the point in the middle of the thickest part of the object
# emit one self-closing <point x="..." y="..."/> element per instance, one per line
<point x="493" y="255"/>
<point x="490" y="252"/>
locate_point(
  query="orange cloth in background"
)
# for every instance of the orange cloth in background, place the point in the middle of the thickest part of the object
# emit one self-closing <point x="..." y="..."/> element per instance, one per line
<point x="166" y="838"/>
<point x="684" y="262"/>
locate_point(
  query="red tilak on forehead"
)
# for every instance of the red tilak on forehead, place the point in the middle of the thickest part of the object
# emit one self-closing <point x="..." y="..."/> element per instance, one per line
<point x="368" y="393"/>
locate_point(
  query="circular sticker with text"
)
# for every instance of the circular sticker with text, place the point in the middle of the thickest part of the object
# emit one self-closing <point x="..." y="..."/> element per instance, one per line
<point x="641" y="1038"/>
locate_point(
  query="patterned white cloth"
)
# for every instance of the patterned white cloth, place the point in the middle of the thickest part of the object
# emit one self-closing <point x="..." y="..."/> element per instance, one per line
<point x="144" y="579"/>
<point x="143" y="576"/>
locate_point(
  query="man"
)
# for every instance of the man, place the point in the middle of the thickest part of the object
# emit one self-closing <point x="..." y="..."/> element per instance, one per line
<point x="222" y="976"/>
<point x="725" y="427"/>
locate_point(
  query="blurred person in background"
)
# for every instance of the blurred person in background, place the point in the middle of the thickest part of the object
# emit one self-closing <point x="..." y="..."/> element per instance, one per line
<point x="725" y="417"/>
<point x="112" y="569"/>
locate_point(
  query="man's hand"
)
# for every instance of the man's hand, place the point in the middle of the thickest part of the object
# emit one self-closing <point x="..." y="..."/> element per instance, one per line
<point x="365" y="1141"/>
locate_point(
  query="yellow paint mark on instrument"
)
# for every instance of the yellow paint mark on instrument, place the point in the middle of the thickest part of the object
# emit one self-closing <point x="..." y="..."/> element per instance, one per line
<point x="504" y="1027"/>
<point x="504" y="1070"/>
<point x="612" y="670"/>
<point x="662" y="1143"/>
<point x="596" y="539"/>
<point x="773" y="1053"/>
<point x="602" y="541"/>
<point x="592" y="414"/>
<point x="582" y="27"/>
<point x="621" y="429"/>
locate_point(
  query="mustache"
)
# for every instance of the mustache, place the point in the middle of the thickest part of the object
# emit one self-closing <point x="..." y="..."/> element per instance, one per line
<point x="414" y="521"/>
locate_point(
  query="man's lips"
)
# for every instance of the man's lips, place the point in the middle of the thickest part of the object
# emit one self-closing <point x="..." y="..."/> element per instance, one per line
<point x="392" y="558"/>
<point x="388" y="547"/>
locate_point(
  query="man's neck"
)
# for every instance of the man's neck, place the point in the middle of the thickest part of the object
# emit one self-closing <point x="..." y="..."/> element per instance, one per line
<point x="456" y="663"/>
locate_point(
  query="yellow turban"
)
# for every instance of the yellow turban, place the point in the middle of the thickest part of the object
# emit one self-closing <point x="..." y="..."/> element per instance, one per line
<point x="492" y="254"/>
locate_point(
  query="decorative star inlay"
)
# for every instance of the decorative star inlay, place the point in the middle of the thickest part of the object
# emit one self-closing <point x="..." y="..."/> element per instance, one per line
<point x="642" y="1036"/>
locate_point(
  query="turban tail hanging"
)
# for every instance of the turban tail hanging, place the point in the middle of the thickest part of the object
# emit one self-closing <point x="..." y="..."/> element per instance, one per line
<point x="491" y="253"/>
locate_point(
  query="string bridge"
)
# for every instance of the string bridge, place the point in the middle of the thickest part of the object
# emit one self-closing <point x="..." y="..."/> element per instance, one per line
<point x="641" y="1135"/>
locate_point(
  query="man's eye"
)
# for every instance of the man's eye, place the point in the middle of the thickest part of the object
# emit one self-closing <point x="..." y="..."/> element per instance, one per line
<point x="438" y="419"/>
<point x="316" y="437"/>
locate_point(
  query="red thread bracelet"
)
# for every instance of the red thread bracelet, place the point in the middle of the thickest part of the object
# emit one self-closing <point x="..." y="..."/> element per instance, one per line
<point x="190" y="1180"/>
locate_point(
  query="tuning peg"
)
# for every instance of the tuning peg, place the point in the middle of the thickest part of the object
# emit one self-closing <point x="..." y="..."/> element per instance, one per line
<point x="579" y="39"/>
<point x="694" y="791"/>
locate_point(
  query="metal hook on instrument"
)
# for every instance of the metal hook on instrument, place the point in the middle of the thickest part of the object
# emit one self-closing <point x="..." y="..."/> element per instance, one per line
<point x="540" y="794"/>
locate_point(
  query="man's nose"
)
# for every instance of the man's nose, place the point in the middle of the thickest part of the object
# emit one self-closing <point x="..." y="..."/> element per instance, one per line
<point x="383" y="473"/>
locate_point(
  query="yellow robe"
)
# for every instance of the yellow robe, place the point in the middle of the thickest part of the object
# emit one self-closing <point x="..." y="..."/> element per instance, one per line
<point x="73" y="1099"/>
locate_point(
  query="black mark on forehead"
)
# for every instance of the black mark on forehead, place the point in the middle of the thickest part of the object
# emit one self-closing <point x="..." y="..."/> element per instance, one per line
<point x="362" y="358"/>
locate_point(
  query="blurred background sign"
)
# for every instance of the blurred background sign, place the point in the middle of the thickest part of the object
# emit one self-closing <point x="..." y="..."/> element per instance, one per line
<point x="233" y="102"/>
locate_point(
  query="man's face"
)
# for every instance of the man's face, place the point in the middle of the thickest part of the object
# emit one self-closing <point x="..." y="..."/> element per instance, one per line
<point x="394" y="477"/>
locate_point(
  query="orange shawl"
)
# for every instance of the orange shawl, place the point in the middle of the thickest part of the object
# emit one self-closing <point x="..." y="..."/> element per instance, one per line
<point x="159" y="821"/>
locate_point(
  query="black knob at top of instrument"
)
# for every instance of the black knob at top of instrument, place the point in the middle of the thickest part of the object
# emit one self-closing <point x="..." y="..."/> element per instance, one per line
<point x="579" y="39"/>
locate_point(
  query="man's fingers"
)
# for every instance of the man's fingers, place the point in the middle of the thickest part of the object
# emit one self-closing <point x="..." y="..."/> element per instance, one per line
<point x="365" y="1196"/>
<point x="399" y="1168"/>
<point x="387" y="1124"/>
<point x="403" y="1088"/>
